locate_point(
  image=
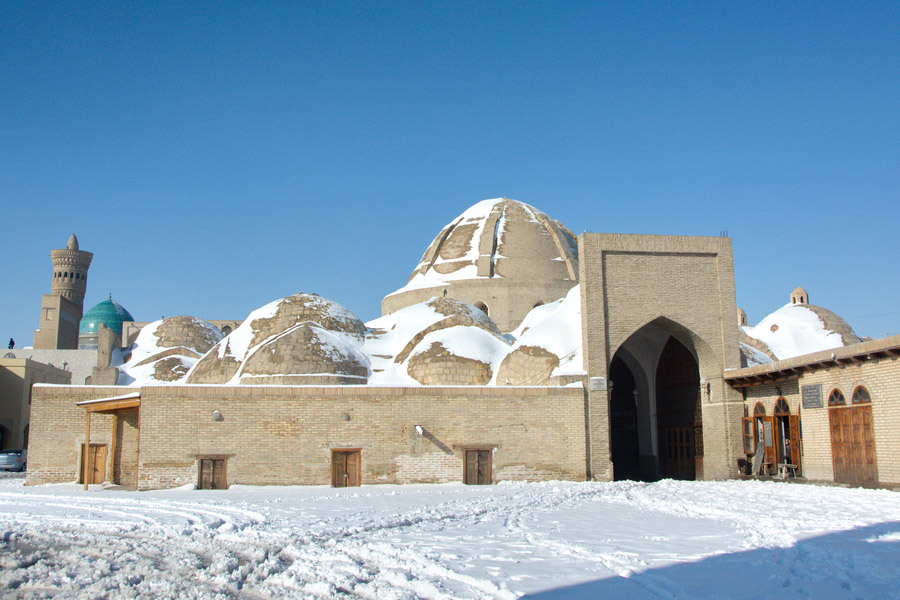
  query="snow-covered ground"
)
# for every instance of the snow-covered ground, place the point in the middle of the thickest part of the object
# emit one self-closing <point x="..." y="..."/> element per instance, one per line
<point x="554" y="540"/>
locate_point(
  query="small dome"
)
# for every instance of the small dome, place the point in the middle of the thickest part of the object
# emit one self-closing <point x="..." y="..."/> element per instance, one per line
<point x="73" y="243"/>
<point x="109" y="312"/>
<point x="264" y="325"/>
<point x="796" y="329"/>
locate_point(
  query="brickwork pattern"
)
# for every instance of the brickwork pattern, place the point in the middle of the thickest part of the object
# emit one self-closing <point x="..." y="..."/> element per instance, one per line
<point x="685" y="285"/>
<point x="285" y="435"/>
<point x="57" y="431"/>
<point x="880" y="376"/>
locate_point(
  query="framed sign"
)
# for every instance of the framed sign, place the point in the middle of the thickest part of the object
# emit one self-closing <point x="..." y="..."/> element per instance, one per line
<point x="811" y="395"/>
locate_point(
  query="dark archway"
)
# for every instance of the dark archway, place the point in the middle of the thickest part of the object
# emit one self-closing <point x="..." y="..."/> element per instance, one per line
<point x="623" y="422"/>
<point x="678" y="414"/>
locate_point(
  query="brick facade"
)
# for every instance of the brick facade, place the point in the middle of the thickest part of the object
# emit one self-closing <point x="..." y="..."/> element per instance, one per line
<point x="875" y="365"/>
<point x="285" y="435"/>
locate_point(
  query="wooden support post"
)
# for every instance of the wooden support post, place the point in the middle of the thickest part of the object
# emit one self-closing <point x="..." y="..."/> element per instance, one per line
<point x="110" y="475"/>
<point x="86" y="460"/>
<point x="137" y="467"/>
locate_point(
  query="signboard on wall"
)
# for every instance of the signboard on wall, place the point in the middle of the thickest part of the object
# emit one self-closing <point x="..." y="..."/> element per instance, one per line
<point x="811" y="395"/>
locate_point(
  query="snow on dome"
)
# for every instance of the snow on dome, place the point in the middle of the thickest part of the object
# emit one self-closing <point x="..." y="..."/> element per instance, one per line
<point x="223" y="362"/>
<point x="393" y="338"/>
<point x="492" y="239"/>
<point x="305" y="354"/>
<point x="165" y="350"/>
<point x="459" y="355"/>
<point x="549" y="346"/>
<point x="796" y="329"/>
<point x="501" y="254"/>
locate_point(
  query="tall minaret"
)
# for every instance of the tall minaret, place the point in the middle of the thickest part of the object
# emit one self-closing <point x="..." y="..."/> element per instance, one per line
<point x="62" y="308"/>
<point x="70" y="268"/>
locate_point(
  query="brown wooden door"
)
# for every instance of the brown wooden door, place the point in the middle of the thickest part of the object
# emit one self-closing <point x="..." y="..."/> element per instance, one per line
<point x="477" y="467"/>
<point x="212" y="474"/>
<point x="96" y="466"/>
<point x="853" y="445"/>
<point x="346" y="468"/>
<point x="677" y="452"/>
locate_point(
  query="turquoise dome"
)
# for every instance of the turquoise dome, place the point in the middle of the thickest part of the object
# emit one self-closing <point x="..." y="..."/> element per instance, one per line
<point x="109" y="312"/>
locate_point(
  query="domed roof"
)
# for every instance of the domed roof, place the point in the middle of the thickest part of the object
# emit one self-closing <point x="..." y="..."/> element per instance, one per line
<point x="109" y="312"/>
<point x="265" y="325"/>
<point x="503" y="256"/>
<point x="499" y="238"/>
<point x="796" y="329"/>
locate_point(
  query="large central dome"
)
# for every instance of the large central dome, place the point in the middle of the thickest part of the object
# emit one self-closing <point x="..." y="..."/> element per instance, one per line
<point x="501" y="255"/>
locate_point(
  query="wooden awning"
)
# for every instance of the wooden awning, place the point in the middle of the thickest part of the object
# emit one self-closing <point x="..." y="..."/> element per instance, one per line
<point x="111" y="405"/>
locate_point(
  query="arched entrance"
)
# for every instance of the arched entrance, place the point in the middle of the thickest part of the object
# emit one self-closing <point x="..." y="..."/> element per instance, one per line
<point x="654" y="405"/>
<point x="678" y="418"/>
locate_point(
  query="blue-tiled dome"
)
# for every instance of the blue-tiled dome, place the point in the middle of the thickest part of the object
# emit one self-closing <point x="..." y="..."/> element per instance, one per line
<point x="109" y="312"/>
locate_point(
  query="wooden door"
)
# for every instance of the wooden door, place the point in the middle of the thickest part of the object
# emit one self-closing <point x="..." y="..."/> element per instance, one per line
<point x="96" y="464"/>
<point x="346" y="468"/>
<point x="677" y="452"/>
<point x="212" y="474"/>
<point x="477" y="467"/>
<point x="853" y="445"/>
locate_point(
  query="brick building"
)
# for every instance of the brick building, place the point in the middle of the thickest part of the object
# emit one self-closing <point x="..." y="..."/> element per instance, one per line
<point x="540" y="356"/>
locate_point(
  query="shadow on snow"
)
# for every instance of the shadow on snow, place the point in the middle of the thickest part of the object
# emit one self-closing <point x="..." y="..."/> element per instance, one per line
<point x="857" y="563"/>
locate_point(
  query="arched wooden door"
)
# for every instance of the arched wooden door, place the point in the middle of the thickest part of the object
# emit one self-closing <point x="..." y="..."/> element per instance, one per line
<point x="852" y="438"/>
<point x="678" y="415"/>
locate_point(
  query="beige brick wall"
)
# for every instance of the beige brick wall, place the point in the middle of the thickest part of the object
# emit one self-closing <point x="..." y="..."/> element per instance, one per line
<point x="685" y="286"/>
<point x="58" y="428"/>
<point x="285" y="435"/>
<point x="880" y="376"/>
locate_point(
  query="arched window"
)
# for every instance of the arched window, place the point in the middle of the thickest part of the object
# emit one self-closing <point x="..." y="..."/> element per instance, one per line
<point x="861" y="396"/>
<point x="759" y="410"/>
<point x="482" y="307"/>
<point x="226" y="330"/>
<point x="782" y="408"/>
<point x="836" y="398"/>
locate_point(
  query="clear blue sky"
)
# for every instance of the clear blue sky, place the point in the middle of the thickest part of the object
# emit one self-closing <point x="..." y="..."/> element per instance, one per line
<point x="217" y="156"/>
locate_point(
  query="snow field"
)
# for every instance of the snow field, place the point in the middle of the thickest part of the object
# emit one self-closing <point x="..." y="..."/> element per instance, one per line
<point x="669" y="539"/>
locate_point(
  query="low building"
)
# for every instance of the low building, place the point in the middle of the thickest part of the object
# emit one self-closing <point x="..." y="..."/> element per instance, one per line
<point x="17" y="376"/>
<point x="829" y="416"/>
<point x="515" y="352"/>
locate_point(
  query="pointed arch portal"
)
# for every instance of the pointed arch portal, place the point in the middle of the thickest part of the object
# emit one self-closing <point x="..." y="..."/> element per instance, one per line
<point x="655" y="418"/>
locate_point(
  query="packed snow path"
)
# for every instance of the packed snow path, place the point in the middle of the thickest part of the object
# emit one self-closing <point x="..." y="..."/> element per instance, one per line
<point x="549" y="540"/>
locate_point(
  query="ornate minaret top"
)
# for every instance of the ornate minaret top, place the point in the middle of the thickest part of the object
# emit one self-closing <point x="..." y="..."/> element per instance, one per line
<point x="70" y="268"/>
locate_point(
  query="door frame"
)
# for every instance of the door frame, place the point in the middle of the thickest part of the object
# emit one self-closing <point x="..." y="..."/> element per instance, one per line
<point x="489" y="448"/>
<point x="223" y="458"/>
<point x="334" y="452"/>
<point x="87" y="461"/>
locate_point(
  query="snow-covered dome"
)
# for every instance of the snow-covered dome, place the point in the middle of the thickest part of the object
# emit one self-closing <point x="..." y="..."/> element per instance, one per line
<point x="548" y="348"/>
<point x="324" y="347"/>
<point x="799" y="328"/>
<point x="165" y="350"/>
<point x="500" y="255"/>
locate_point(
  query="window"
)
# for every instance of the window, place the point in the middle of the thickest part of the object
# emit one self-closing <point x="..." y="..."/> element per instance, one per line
<point x="861" y="396"/>
<point x="836" y="398"/>
<point x="782" y="408"/>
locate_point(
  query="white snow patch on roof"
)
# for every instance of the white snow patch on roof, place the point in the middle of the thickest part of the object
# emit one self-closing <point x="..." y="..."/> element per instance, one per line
<point x="557" y="329"/>
<point x="797" y="330"/>
<point x="754" y="357"/>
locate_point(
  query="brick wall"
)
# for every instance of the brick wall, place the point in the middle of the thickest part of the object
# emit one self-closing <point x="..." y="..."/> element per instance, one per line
<point x="880" y="376"/>
<point x="57" y="431"/>
<point x="285" y="435"/>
